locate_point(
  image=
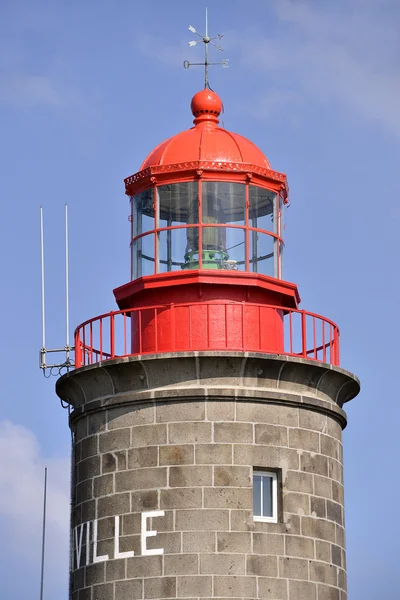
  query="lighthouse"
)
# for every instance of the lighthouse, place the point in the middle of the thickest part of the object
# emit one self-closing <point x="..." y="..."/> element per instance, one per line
<point x="207" y="410"/>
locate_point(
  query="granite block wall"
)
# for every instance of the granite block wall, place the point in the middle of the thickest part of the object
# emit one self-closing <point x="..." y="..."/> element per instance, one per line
<point x="163" y="498"/>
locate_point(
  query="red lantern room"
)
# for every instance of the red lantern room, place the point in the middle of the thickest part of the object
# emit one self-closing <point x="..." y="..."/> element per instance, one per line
<point x="207" y="255"/>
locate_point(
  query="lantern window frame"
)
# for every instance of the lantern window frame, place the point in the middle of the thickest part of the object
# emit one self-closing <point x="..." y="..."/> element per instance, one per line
<point x="246" y="179"/>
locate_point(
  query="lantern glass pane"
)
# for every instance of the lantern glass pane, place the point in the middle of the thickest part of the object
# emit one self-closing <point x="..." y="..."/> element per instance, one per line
<point x="178" y="248"/>
<point x="224" y="202"/>
<point x="143" y="212"/>
<point x="224" y="248"/>
<point x="262" y="247"/>
<point x="178" y="203"/>
<point x="143" y="251"/>
<point x="261" y="208"/>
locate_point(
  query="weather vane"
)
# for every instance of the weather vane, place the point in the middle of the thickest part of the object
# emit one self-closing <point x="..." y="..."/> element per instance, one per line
<point x="206" y="40"/>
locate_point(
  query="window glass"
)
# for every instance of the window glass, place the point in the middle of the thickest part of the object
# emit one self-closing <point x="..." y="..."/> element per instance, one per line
<point x="224" y="202"/>
<point x="143" y="250"/>
<point x="265" y="496"/>
<point x="178" y="249"/>
<point x="262" y="248"/>
<point x="261" y="208"/>
<point x="178" y="203"/>
<point x="257" y="495"/>
<point x="267" y="508"/>
<point x="224" y="248"/>
<point x="143" y="212"/>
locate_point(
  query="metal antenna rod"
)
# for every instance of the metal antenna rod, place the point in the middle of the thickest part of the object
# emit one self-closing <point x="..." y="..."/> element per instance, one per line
<point x="66" y="284"/>
<point x="42" y="267"/>
<point x="43" y="532"/>
<point x="206" y="82"/>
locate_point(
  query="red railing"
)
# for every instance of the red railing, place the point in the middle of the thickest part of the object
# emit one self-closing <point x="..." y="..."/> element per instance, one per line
<point x="109" y="336"/>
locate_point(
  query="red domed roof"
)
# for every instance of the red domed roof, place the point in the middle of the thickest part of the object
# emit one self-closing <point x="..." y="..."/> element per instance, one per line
<point x="206" y="141"/>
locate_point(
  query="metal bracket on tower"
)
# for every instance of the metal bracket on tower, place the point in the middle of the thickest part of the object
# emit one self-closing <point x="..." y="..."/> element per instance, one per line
<point x="68" y="363"/>
<point x="206" y="40"/>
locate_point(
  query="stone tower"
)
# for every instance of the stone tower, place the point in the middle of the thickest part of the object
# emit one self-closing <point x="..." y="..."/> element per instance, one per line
<point x="207" y="412"/>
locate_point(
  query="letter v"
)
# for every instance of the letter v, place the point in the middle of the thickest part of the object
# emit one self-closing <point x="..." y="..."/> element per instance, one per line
<point x="78" y="544"/>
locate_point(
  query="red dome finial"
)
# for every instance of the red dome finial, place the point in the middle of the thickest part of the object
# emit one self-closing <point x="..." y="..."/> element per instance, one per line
<point x="206" y="106"/>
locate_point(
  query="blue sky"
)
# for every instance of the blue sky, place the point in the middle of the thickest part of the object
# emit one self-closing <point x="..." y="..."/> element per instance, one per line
<point x="87" y="89"/>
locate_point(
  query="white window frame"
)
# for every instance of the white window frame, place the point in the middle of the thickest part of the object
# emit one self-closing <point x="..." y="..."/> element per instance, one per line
<point x="274" y="477"/>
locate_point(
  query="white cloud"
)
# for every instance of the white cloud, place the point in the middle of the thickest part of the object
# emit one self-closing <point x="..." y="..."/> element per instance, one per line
<point x="21" y="500"/>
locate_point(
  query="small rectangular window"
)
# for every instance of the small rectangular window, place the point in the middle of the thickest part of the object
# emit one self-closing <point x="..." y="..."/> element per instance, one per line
<point x="265" y="496"/>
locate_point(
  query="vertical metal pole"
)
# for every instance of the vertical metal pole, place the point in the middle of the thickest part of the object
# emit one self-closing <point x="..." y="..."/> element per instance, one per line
<point x="246" y="232"/>
<point x="132" y="236"/>
<point x="304" y="334"/>
<point x="125" y="352"/>
<point x="206" y="53"/>
<point x="254" y="242"/>
<point x="66" y="286"/>
<point x="112" y="336"/>
<point x="157" y="233"/>
<point x="42" y="270"/>
<point x="169" y="246"/>
<point x="43" y="532"/>
<point x="200" y="222"/>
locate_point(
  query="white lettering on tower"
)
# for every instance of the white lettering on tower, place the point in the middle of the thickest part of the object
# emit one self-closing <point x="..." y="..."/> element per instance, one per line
<point x="87" y="542"/>
<point x="97" y="559"/>
<point x="146" y="534"/>
<point x="79" y="533"/>
<point x="78" y="543"/>
<point x="117" y="553"/>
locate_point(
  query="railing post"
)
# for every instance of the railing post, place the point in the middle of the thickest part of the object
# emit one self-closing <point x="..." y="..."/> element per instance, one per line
<point x="124" y="333"/>
<point x="85" y="360"/>
<point x="101" y="338"/>
<point x="112" y="335"/>
<point x="78" y="350"/>
<point x="336" y="347"/>
<point x="303" y="334"/>
<point x="91" y="341"/>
